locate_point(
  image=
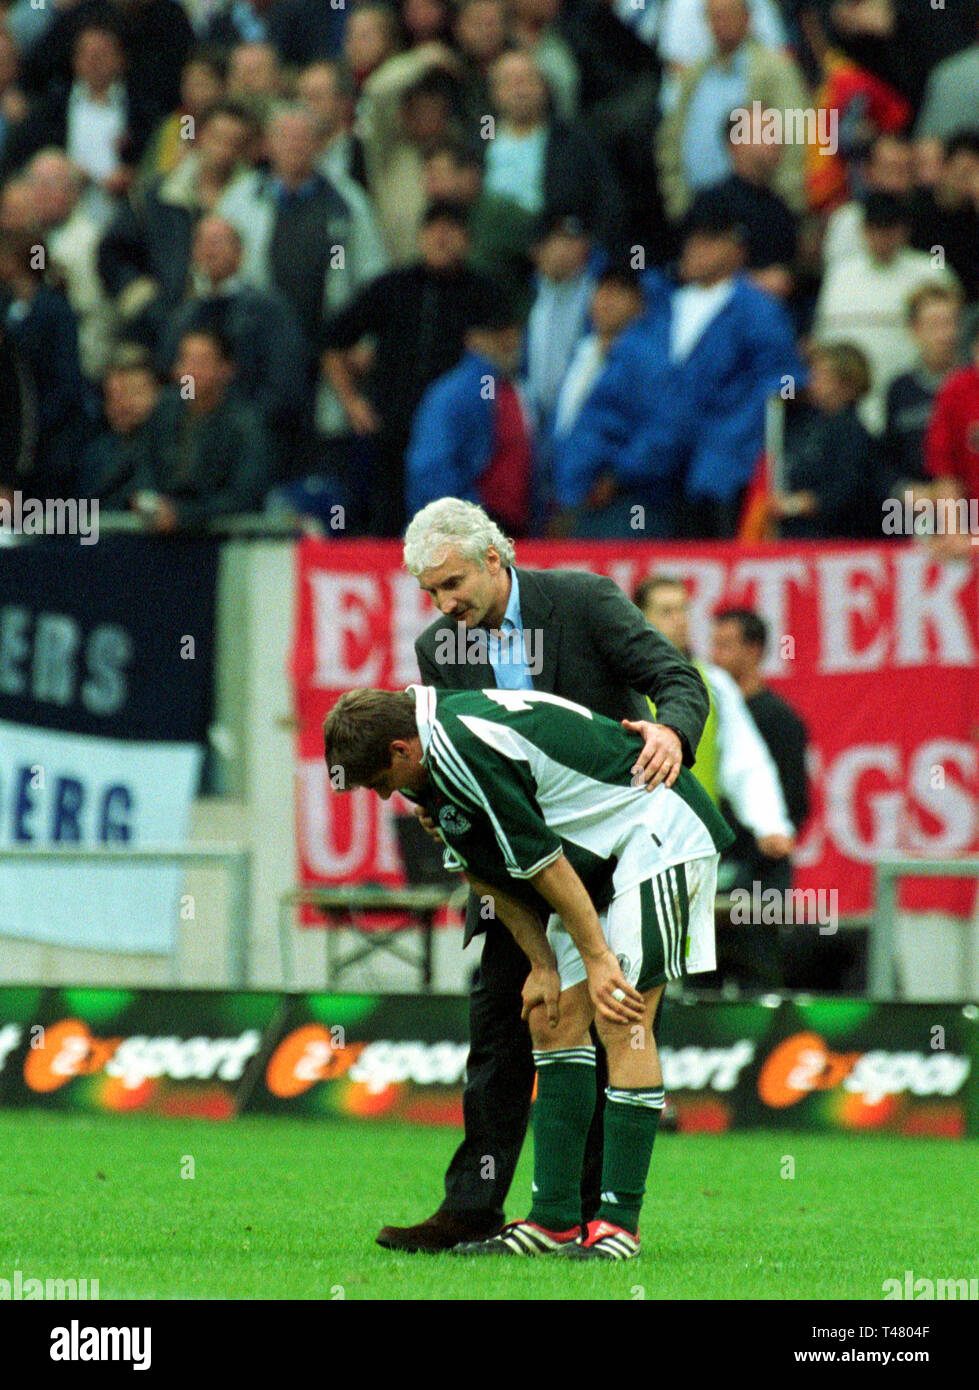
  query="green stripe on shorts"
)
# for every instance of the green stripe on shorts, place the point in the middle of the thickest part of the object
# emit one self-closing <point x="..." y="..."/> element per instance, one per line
<point x="653" y="970"/>
<point x="684" y="903"/>
<point x="665" y="912"/>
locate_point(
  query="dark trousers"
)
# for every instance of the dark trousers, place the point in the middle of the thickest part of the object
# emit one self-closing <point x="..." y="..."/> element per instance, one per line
<point x="496" y="1101"/>
<point x="753" y="955"/>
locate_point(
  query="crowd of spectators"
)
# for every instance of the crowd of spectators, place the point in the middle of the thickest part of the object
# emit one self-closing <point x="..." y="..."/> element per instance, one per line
<point x="554" y="256"/>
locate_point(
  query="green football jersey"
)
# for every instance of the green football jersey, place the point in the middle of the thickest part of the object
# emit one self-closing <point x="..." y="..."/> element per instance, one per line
<point x="518" y="777"/>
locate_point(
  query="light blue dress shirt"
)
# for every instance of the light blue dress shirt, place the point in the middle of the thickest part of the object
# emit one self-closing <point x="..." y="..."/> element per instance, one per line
<point x="250" y="26"/>
<point x="723" y="88"/>
<point x="515" y="167"/>
<point x="506" y="648"/>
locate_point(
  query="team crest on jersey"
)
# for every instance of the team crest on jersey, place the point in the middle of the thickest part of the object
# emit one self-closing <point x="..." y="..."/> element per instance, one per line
<point x="453" y="821"/>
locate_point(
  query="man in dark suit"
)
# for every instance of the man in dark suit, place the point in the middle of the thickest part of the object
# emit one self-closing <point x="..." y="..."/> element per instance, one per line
<point x="101" y="116"/>
<point x="571" y="634"/>
<point x="156" y="35"/>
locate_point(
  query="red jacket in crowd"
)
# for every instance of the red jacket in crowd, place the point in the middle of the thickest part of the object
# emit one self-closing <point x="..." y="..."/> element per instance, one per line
<point x="952" y="441"/>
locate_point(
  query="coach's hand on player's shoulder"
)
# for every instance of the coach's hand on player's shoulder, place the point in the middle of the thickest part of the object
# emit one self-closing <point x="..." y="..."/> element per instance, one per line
<point x="542" y="986"/>
<point x="428" y="825"/>
<point x="610" y="991"/>
<point x="776" y="846"/>
<point x="660" y="757"/>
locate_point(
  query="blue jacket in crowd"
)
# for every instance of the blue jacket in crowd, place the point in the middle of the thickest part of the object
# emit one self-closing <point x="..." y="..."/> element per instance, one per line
<point x="699" y="422"/>
<point x="451" y="435"/>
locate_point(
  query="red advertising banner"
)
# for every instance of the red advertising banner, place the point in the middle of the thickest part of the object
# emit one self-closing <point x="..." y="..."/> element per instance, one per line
<point x="874" y="645"/>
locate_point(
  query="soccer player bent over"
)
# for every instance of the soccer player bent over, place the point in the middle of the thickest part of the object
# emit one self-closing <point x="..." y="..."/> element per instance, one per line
<point x="535" y="800"/>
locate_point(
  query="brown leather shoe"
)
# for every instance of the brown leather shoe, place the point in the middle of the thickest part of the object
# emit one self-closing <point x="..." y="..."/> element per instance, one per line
<point x="439" y="1232"/>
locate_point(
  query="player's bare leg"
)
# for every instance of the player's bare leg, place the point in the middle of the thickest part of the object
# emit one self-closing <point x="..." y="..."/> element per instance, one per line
<point x="633" y="1058"/>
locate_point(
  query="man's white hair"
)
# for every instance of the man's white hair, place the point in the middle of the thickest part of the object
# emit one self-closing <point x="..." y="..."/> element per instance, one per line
<point x="451" y="524"/>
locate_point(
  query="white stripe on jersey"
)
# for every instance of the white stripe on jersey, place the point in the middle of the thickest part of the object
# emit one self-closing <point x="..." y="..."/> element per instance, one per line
<point x="452" y="766"/>
<point x="603" y="817"/>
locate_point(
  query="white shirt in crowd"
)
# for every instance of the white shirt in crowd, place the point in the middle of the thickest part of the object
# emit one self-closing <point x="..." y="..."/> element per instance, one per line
<point x="746" y="772"/>
<point x="694" y="308"/>
<point x="95" y="130"/>
<point x="865" y="302"/>
<point x="515" y="167"/>
<point x="844" y="233"/>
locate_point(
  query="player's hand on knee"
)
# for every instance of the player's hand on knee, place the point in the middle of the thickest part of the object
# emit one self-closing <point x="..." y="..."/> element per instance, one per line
<point x="542" y="987"/>
<point x="611" y="993"/>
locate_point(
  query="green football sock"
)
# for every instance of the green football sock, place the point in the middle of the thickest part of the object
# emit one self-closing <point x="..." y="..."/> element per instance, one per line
<point x="631" y="1118"/>
<point x="562" y="1118"/>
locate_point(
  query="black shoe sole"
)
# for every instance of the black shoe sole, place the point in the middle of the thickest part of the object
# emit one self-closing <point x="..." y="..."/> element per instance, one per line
<point x="415" y="1249"/>
<point x="429" y="1249"/>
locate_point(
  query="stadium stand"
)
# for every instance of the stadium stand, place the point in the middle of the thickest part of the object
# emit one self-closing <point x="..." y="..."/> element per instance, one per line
<point x="842" y="145"/>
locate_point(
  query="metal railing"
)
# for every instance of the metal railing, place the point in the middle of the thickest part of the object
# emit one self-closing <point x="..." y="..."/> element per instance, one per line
<point x="235" y="860"/>
<point x="339" y="905"/>
<point x="881" y="961"/>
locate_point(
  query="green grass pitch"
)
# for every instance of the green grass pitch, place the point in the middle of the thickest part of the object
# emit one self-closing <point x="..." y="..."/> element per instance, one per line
<point x="289" y="1209"/>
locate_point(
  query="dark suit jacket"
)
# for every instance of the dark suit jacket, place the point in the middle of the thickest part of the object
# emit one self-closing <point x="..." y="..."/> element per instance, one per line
<point x="156" y="36"/>
<point x="46" y="344"/>
<point x="596" y="649"/>
<point x="47" y="124"/>
<point x="148" y="235"/>
<point x="300" y="30"/>
<point x="579" y="182"/>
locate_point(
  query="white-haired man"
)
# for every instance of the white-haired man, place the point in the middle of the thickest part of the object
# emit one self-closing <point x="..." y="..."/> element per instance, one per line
<point x="292" y="219"/>
<point x="572" y="634"/>
<point x="72" y="236"/>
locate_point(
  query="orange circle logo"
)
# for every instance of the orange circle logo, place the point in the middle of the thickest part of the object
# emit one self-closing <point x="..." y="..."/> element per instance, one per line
<point x="67" y="1050"/>
<point x="303" y="1058"/>
<point x="800" y="1065"/>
